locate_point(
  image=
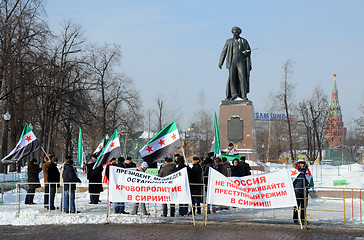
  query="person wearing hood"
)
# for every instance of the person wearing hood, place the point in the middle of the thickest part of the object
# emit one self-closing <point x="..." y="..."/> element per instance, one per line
<point x="302" y="178"/>
<point x="236" y="170"/>
<point x="69" y="179"/>
<point x="169" y="167"/>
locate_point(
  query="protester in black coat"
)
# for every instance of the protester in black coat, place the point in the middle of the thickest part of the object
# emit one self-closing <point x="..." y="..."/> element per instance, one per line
<point x="219" y="166"/>
<point x="195" y="177"/>
<point x="94" y="176"/>
<point x="236" y="170"/>
<point x="245" y="166"/>
<point x="183" y="208"/>
<point x="53" y="179"/>
<point x="169" y="167"/>
<point x="206" y="164"/>
<point x="129" y="163"/>
<point x="69" y="178"/>
<point x="33" y="178"/>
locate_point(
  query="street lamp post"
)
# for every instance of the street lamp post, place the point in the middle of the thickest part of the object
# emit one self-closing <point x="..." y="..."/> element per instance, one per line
<point x="7" y="118"/>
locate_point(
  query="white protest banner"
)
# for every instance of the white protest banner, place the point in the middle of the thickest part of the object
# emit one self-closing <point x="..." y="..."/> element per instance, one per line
<point x="271" y="190"/>
<point x="135" y="186"/>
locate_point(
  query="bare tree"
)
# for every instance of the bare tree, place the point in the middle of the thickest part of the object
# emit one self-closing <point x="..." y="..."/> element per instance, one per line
<point x="314" y="113"/>
<point x="285" y="97"/>
<point x="116" y="101"/>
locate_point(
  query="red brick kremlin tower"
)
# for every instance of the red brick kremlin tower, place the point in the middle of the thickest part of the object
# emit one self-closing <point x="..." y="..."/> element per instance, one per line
<point x="334" y="131"/>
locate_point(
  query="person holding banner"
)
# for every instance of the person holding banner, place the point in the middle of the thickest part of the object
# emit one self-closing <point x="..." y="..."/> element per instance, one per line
<point x="119" y="206"/>
<point x="207" y="164"/>
<point x="302" y="178"/>
<point x="195" y="177"/>
<point x="166" y="169"/>
<point x="183" y="208"/>
<point x="143" y="167"/>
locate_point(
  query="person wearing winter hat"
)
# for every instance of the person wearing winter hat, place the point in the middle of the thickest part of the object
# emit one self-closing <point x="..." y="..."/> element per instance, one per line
<point x="69" y="178"/>
<point x="166" y="169"/>
<point x="94" y="177"/>
<point x="52" y="177"/>
<point x="302" y="178"/>
<point x="195" y="177"/>
<point x="129" y="163"/>
<point x="141" y="168"/>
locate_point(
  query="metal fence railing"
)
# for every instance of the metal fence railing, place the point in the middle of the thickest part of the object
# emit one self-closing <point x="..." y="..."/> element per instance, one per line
<point x="325" y="204"/>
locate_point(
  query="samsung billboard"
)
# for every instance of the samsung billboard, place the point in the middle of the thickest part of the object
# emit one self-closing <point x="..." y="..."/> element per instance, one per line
<point x="270" y="116"/>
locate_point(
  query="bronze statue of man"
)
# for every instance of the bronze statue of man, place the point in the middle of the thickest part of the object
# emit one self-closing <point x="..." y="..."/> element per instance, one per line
<point x="237" y="53"/>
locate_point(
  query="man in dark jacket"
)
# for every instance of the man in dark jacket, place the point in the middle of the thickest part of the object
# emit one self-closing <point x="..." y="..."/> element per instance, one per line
<point x="206" y="165"/>
<point x="129" y="163"/>
<point x="166" y="169"/>
<point x="69" y="179"/>
<point x="94" y="177"/>
<point x="53" y="179"/>
<point x="245" y="166"/>
<point x="33" y="179"/>
<point x="183" y="208"/>
<point x="195" y="178"/>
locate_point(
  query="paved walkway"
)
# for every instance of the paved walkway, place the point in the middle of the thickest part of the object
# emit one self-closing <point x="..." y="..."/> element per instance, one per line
<point x="254" y="231"/>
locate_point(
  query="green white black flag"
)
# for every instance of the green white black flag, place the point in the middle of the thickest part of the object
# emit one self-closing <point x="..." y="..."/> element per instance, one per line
<point x="27" y="144"/>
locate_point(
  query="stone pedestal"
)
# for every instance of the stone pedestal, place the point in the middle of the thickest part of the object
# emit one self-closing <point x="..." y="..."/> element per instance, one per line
<point x="240" y="128"/>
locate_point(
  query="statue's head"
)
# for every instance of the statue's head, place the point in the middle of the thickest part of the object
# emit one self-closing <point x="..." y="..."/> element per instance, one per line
<point x="236" y="30"/>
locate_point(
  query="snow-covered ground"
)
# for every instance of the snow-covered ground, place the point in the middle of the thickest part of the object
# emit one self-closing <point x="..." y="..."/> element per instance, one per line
<point x="319" y="209"/>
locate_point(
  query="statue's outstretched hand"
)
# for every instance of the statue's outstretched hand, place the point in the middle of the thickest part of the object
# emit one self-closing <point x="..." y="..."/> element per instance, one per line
<point x="220" y="66"/>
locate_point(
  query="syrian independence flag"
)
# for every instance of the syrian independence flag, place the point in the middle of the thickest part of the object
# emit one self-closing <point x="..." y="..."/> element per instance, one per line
<point x="217" y="149"/>
<point x="27" y="144"/>
<point x="308" y="175"/>
<point x="99" y="148"/>
<point x="80" y="152"/>
<point x="167" y="141"/>
<point x="112" y="149"/>
<point x="212" y="147"/>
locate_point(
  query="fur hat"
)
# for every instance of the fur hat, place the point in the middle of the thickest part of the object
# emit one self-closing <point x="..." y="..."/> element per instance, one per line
<point x="168" y="159"/>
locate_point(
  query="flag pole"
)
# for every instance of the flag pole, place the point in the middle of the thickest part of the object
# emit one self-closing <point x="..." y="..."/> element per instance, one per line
<point x="299" y="216"/>
<point x="183" y="153"/>
<point x="193" y="215"/>
<point x="45" y="152"/>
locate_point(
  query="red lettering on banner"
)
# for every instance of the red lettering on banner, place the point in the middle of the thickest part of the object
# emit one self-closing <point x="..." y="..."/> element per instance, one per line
<point x="137" y="198"/>
<point x="129" y="197"/>
<point x="232" y="200"/>
<point x="118" y="187"/>
<point x="220" y="183"/>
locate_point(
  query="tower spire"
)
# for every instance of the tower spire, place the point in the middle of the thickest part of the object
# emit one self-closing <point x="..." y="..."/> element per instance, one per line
<point x="334" y="131"/>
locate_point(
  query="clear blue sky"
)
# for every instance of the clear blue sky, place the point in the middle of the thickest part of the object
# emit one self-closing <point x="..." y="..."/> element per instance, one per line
<point x="172" y="48"/>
